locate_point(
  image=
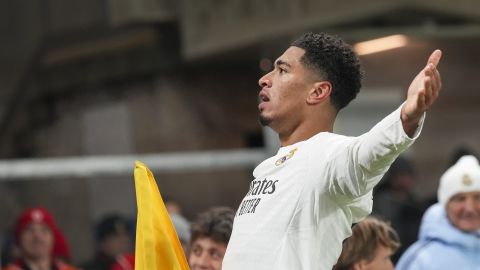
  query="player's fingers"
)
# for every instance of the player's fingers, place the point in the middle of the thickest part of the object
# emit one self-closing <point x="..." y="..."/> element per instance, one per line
<point x="436" y="85"/>
<point x="421" y="100"/>
<point x="427" y="90"/>
<point x="429" y="70"/>
<point x="435" y="82"/>
<point x="435" y="57"/>
<point x="438" y="78"/>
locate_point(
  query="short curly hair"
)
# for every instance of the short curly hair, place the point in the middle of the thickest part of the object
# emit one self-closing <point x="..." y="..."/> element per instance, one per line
<point x="335" y="61"/>
<point x="216" y="223"/>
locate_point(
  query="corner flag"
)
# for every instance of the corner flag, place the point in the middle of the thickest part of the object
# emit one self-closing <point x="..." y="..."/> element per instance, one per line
<point x="157" y="246"/>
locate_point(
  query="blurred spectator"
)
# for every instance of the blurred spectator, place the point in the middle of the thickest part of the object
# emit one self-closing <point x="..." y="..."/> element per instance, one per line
<point x="370" y="247"/>
<point x="124" y="262"/>
<point x="113" y="239"/>
<point x="210" y="235"/>
<point x="181" y="224"/>
<point x="450" y="232"/>
<point x="182" y="227"/>
<point x="41" y="243"/>
<point x="454" y="157"/>
<point x="172" y="205"/>
<point x="10" y="251"/>
<point x="460" y="152"/>
<point x="395" y="202"/>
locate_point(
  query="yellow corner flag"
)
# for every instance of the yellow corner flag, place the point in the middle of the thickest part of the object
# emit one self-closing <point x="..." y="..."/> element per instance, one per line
<point x="157" y="246"/>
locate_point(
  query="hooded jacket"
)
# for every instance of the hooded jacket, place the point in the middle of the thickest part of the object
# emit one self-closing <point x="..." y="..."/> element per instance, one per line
<point x="441" y="245"/>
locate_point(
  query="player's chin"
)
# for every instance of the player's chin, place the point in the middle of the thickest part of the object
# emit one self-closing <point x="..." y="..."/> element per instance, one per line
<point x="264" y="120"/>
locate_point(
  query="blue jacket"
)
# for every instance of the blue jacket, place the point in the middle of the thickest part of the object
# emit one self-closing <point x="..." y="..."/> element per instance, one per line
<point x="441" y="246"/>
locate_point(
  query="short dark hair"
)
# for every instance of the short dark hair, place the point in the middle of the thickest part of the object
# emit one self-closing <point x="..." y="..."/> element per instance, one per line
<point x="335" y="61"/>
<point x="111" y="225"/>
<point x="215" y="223"/>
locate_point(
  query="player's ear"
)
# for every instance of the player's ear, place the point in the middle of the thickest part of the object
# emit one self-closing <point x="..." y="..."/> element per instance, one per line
<point x="319" y="92"/>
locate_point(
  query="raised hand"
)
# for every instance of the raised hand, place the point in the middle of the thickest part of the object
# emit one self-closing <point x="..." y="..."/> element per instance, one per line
<point x="422" y="93"/>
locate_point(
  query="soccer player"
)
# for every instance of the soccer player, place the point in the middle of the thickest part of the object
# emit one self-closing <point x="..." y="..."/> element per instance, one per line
<point x="303" y="201"/>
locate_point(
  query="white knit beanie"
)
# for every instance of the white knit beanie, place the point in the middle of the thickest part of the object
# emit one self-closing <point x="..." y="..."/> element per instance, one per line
<point x="464" y="176"/>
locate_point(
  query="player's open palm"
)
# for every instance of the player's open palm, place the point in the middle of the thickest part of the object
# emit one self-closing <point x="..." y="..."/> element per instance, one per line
<point x="424" y="89"/>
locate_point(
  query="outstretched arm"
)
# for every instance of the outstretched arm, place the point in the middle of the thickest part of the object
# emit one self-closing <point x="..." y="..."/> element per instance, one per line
<point x="359" y="163"/>
<point x="422" y="93"/>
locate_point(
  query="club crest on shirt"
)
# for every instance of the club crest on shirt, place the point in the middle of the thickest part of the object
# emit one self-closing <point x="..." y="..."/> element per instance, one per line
<point x="288" y="156"/>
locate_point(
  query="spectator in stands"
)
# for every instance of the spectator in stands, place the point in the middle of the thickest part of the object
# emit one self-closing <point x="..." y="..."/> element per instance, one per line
<point x="182" y="227"/>
<point x="9" y="249"/>
<point x="396" y="203"/>
<point x="124" y="262"/>
<point x="210" y="235"/>
<point x="181" y="224"/>
<point x="459" y="152"/>
<point x="41" y="243"/>
<point x="456" y="154"/>
<point x="173" y="206"/>
<point x="113" y="240"/>
<point x="370" y="247"/>
<point x="450" y="231"/>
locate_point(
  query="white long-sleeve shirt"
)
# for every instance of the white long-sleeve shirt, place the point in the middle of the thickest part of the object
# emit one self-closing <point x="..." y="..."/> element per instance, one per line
<point x="303" y="201"/>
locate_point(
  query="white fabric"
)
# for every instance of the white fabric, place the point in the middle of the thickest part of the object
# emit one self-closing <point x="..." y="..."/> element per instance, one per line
<point x="302" y="203"/>
<point x="464" y="176"/>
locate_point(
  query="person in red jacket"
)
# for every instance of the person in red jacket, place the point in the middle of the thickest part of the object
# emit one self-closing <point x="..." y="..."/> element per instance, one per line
<point x="41" y="243"/>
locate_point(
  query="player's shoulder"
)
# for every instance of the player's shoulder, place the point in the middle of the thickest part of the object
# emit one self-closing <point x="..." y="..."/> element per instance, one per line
<point x="328" y="140"/>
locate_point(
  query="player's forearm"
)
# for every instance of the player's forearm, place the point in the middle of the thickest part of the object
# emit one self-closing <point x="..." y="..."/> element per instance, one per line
<point x="379" y="147"/>
<point x="369" y="156"/>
